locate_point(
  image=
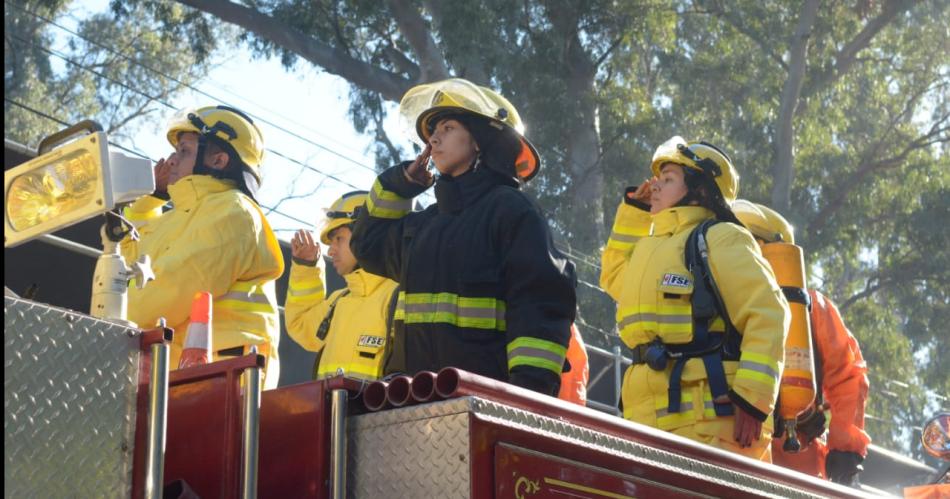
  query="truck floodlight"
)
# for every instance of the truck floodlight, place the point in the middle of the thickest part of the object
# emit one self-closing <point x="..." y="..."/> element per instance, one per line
<point x="68" y="184"/>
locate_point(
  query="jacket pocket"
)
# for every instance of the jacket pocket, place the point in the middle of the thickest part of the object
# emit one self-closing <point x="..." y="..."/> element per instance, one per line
<point x="674" y="318"/>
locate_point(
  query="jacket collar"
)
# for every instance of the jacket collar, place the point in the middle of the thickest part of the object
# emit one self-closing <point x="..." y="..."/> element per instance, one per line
<point x="453" y="194"/>
<point x="679" y="218"/>
<point x="189" y="190"/>
<point x="362" y="283"/>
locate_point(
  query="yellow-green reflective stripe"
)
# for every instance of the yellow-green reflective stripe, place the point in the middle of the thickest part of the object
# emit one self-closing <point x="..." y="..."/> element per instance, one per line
<point x="356" y="369"/>
<point x="384" y="204"/>
<point x="522" y="360"/>
<point x="245" y="296"/>
<point x="536" y="352"/>
<point x="421" y="308"/>
<point x="305" y="291"/>
<point x="623" y="238"/>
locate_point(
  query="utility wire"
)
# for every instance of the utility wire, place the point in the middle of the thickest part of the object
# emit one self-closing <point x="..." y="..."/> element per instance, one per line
<point x="166" y="104"/>
<point x="132" y="151"/>
<point x="182" y="83"/>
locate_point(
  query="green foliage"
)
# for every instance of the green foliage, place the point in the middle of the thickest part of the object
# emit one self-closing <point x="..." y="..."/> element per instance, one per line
<point x="100" y="65"/>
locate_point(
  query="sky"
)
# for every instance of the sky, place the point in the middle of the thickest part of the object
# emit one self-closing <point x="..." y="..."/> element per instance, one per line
<point x="302" y="115"/>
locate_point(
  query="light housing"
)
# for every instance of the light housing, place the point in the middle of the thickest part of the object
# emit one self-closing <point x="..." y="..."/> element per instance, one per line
<point x="70" y="183"/>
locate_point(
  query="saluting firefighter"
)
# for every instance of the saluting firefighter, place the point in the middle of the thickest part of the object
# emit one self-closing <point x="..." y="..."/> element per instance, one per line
<point x="216" y="239"/>
<point x="350" y="328"/>
<point x="692" y="374"/>
<point x="482" y="287"/>
<point x="840" y="376"/>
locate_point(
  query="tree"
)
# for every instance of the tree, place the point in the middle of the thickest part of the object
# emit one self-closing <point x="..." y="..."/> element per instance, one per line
<point x="118" y="73"/>
<point x="823" y="105"/>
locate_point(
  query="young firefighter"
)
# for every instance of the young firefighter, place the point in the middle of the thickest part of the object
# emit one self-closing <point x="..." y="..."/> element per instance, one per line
<point x="216" y="239"/>
<point x="840" y="375"/>
<point x="691" y="374"/>
<point x="350" y="328"/>
<point x="482" y="287"/>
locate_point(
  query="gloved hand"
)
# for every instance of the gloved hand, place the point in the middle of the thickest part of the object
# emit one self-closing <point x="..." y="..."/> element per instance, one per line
<point x="843" y="467"/>
<point x="810" y="426"/>
<point x="639" y="196"/>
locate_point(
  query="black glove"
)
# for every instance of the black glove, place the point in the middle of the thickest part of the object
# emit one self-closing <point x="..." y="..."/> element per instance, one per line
<point x="843" y="467"/>
<point x="810" y="426"/>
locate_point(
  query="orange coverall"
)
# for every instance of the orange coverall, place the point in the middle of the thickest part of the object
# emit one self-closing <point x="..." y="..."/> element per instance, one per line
<point x="574" y="382"/>
<point x="844" y="384"/>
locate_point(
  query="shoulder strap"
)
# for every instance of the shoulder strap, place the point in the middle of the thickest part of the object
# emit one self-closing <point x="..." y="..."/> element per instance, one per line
<point x="324" y="327"/>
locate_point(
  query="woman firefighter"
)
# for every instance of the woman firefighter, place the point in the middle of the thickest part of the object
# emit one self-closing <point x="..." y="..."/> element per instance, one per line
<point x="482" y="286"/>
<point x="707" y="338"/>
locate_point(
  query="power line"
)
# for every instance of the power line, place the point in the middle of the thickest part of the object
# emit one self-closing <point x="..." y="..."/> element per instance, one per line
<point x="132" y="151"/>
<point x="166" y="104"/>
<point x="182" y="83"/>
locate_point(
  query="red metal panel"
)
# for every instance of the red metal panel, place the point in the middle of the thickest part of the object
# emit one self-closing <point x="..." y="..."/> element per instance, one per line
<point x="527" y="474"/>
<point x="294" y="458"/>
<point x="205" y="418"/>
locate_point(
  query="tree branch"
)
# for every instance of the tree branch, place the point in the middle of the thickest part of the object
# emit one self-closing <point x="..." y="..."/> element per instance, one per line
<point x="847" y="56"/>
<point x="717" y="10"/>
<point x="855" y="180"/>
<point x="413" y="27"/>
<point x="362" y="74"/>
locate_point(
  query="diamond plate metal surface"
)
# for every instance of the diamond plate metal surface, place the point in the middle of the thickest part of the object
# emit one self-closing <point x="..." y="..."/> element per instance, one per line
<point x="69" y="393"/>
<point x="413" y="452"/>
<point x="422" y="451"/>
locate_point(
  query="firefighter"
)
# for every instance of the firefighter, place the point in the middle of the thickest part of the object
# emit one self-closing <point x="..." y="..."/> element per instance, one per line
<point x="482" y="287"/>
<point x="695" y="373"/>
<point x="215" y="239"/>
<point x="350" y="328"/>
<point x="574" y="380"/>
<point x="841" y="377"/>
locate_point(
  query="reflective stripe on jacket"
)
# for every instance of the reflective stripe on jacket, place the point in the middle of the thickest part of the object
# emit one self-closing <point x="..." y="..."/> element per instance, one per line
<point x="216" y="240"/>
<point x="483" y="288"/>
<point x="644" y="270"/>
<point x="357" y="339"/>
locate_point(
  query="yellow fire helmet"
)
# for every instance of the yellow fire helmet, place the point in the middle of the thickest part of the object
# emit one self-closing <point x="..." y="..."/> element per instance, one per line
<point x="227" y="124"/>
<point x="764" y="222"/>
<point x="341" y="212"/>
<point x="424" y="102"/>
<point x="703" y="157"/>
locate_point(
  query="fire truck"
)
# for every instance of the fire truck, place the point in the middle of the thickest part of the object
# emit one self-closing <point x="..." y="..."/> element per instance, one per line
<point x="92" y="409"/>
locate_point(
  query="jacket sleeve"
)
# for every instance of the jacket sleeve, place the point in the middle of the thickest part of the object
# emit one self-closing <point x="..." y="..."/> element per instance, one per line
<point x="236" y="244"/>
<point x="844" y="377"/>
<point x="141" y="212"/>
<point x="539" y="296"/>
<point x="630" y="225"/>
<point x="757" y="308"/>
<point x="377" y="241"/>
<point x="306" y="306"/>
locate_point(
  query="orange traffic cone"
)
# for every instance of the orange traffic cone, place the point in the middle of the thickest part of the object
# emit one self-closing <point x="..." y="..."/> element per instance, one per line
<point x="197" y="349"/>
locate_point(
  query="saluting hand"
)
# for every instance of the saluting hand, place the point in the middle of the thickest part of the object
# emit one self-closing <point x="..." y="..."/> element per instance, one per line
<point x="418" y="171"/>
<point x="162" y="171"/>
<point x="642" y="193"/>
<point x="303" y="247"/>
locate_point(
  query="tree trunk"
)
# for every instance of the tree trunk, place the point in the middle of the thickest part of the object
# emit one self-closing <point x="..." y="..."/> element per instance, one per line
<point x="783" y="167"/>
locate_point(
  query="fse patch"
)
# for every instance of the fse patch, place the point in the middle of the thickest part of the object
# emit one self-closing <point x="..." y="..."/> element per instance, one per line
<point x="676" y="280"/>
<point x="371" y="341"/>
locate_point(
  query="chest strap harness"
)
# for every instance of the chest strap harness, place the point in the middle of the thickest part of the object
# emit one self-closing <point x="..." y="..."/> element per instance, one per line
<point x="712" y="347"/>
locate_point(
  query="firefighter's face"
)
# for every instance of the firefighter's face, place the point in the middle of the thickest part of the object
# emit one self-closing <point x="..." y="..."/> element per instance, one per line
<point x="453" y="148"/>
<point x="667" y="189"/>
<point x="182" y="162"/>
<point x="343" y="260"/>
